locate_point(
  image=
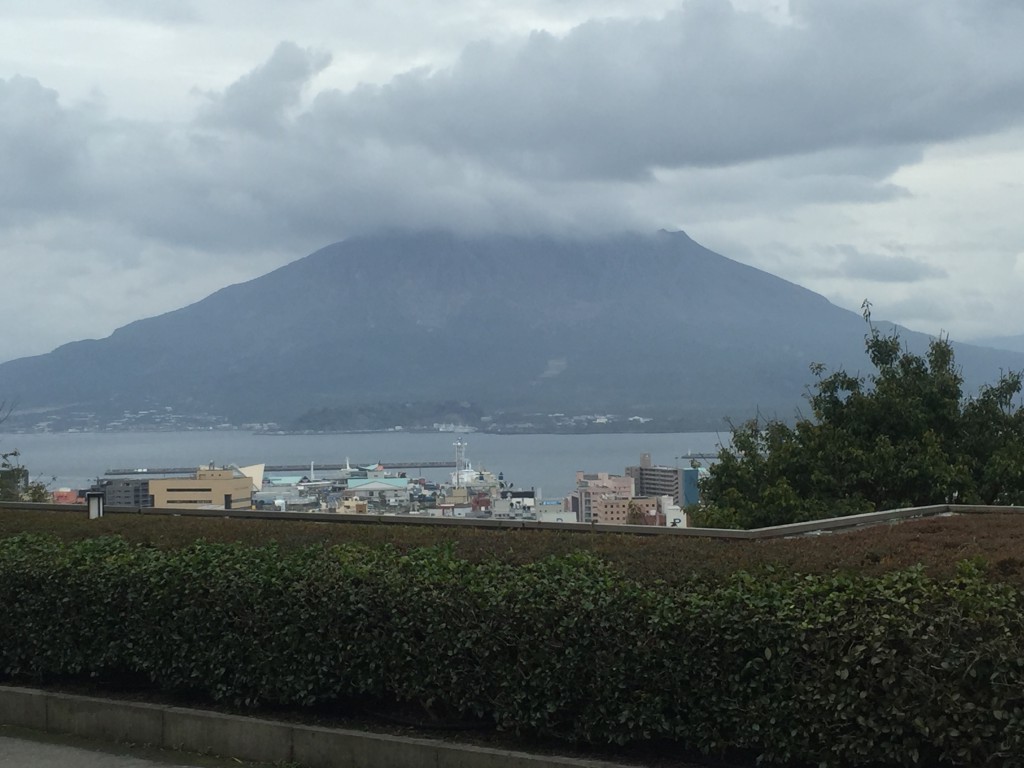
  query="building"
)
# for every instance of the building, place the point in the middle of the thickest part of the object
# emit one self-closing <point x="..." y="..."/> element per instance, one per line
<point x="691" y="485"/>
<point x="596" y="486"/>
<point x="652" y="480"/>
<point x="216" y="487"/>
<point x="553" y="511"/>
<point x="511" y="505"/>
<point x="617" y="510"/>
<point x="126" y="492"/>
<point x="350" y="506"/>
<point x="68" y="496"/>
<point x="671" y="514"/>
<point x="376" y="487"/>
<point x="284" y="498"/>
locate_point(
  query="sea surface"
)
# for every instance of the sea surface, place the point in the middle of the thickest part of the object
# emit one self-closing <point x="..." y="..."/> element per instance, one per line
<point x="545" y="462"/>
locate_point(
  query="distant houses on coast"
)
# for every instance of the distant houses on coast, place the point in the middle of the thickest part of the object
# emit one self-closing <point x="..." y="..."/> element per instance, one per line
<point x="644" y="494"/>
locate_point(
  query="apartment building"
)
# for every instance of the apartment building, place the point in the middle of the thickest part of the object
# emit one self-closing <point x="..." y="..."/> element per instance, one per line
<point x="126" y="492"/>
<point x="654" y="480"/>
<point x="616" y="510"/>
<point x="600" y="487"/>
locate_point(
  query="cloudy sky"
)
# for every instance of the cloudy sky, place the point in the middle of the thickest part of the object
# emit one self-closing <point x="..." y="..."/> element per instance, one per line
<point x="152" y="151"/>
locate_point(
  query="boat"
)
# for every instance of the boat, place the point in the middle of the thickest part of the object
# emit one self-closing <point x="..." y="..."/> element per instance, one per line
<point x="465" y="476"/>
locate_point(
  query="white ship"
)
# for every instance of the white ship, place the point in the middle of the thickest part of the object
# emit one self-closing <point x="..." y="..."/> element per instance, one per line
<point x="454" y="428"/>
<point x="465" y="476"/>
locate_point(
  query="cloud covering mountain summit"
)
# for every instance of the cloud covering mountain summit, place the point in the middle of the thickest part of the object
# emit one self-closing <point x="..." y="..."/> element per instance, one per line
<point x="783" y="134"/>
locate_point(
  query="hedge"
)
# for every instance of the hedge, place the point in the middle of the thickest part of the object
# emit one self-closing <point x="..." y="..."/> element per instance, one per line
<point x="837" y="670"/>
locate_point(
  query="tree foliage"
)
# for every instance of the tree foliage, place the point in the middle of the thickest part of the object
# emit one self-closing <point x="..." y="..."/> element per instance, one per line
<point x="904" y="436"/>
<point x="15" y="482"/>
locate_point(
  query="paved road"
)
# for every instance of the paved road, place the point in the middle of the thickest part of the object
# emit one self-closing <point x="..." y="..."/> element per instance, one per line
<point x="30" y="749"/>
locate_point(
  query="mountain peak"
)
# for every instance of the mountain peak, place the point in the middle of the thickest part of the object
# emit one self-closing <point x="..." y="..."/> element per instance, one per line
<point x="631" y="323"/>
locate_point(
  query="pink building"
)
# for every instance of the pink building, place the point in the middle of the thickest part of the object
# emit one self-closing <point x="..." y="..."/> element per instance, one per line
<point x="596" y="492"/>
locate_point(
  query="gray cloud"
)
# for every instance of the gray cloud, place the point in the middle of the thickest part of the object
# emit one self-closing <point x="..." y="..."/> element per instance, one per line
<point x="707" y="86"/>
<point x="537" y="132"/>
<point x="919" y="311"/>
<point x="702" y="117"/>
<point x="42" y="149"/>
<point x="261" y="100"/>
<point x="876" y="267"/>
<point x="542" y="132"/>
<point x="164" y="11"/>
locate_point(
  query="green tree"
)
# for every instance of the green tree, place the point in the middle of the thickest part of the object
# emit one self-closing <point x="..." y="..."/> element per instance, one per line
<point x="634" y="515"/>
<point x="904" y="436"/>
<point x="15" y="482"/>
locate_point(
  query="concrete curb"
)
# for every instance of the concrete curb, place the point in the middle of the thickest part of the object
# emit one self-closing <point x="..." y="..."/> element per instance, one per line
<point x="250" y="738"/>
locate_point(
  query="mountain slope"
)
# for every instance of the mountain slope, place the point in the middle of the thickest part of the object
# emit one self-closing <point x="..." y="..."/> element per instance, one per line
<point x="643" y="323"/>
<point x="1009" y="343"/>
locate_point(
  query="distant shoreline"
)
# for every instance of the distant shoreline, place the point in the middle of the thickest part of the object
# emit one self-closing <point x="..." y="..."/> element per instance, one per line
<point x="307" y="433"/>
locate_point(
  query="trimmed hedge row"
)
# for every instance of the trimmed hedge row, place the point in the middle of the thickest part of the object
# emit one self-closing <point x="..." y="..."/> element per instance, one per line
<point x="838" y="670"/>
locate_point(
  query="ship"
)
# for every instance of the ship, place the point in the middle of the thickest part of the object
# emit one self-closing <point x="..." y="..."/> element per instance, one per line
<point x="465" y="476"/>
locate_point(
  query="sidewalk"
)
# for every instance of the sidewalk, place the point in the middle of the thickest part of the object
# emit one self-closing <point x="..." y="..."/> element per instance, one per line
<point x="33" y="749"/>
<point x="240" y="738"/>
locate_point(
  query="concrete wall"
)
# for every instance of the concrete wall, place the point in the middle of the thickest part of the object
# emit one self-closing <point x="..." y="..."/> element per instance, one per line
<point x="773" y="532"/>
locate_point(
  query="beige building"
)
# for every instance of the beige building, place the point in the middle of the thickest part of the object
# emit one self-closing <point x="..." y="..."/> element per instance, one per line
<point x="211" y="487"/>
<point x="608" y="499"/>
<point x="353" y="506"/>
<point x="592" y="487"/>
<point x="615" y="510"/>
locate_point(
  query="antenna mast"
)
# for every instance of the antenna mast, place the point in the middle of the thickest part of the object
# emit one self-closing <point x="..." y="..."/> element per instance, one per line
<point x="460" y="461"/>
